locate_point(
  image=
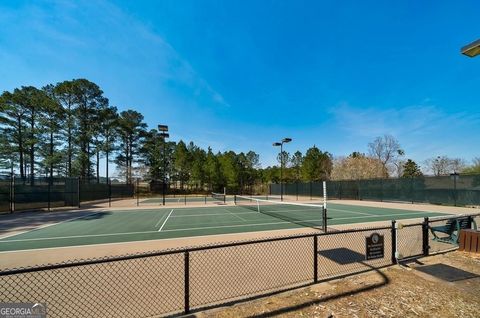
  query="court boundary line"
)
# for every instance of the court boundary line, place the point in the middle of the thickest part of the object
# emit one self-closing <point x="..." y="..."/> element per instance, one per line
<point x="165" y="222"/>
<point x="233" y="214"/>
<point x="176" y="238"/>
<point x="159" y="239"/>
<point x="355" y="212"/>
<point x="160" y="220"/>
<point x="198" y="228"/>
<point x="283" y="222"/>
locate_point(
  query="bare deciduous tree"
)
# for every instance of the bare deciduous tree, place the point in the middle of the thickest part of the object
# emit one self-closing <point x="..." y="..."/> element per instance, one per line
<point x="386" y="149"/>
<point x="442" y="165"/>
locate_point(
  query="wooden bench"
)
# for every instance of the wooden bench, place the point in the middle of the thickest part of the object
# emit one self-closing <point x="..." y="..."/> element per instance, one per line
<point x="452" y="229"/>
<point x="469" y="241"/>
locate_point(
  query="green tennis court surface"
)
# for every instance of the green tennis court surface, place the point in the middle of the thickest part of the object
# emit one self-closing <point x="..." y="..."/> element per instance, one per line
<point x="167" y="223"/>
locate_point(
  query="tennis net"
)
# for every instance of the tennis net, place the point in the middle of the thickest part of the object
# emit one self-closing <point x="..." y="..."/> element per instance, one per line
<point x="219" y="197"/>
<point x="307" y="215"/>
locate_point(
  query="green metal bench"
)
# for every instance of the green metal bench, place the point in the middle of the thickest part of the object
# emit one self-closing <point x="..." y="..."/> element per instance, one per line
<point x="452" y="229"/>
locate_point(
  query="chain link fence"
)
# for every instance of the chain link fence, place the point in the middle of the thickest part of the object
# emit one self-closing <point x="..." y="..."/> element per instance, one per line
<point x="5" y="193"/>
<point x="179" y="281"/>
<point x="23" y="194"/>
<point x="455" y="189"/>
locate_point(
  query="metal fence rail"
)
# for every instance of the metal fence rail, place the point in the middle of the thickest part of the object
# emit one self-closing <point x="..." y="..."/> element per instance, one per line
<point x="180" y="281"/>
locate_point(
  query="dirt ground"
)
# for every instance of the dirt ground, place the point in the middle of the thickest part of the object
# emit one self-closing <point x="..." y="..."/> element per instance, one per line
<point x="397" y="291"/>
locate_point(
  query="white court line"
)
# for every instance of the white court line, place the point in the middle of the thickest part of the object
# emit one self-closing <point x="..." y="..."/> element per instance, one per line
<point x="348" y="211"/>
<point x="136" y="242"/>
<point x="194" y="228"/>
<point x="76" y="236"/>
<point x="235" y="215"/>
<point x="284" y="222"/>
<point x="207" y="214"/>
<point x="251" y="212"/>
<point x="160" y="220"/>
<point x="165" y="239"/>
<point x="161" y="227"/>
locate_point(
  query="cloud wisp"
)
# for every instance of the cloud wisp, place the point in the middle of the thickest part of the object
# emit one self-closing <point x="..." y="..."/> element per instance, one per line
<point x="424" y="129"/>
<point x="75" y="35"/>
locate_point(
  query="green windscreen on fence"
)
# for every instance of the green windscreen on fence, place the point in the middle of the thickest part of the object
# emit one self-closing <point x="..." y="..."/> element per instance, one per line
<point x="5" y="187"/>
<point x="42" y="193"/>
<point x="33" y="193"/>
<point x="91" y="190"/>
<point x="462" y="190"/>
<point x="122" y="190"/>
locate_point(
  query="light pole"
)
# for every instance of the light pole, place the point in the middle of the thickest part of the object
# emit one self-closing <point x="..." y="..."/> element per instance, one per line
<point x="164" y="134"/>
<point x="280" y="144"/>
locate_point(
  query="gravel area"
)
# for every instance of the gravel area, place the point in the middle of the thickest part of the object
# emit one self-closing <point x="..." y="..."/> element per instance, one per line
<point x="397" y="291"/>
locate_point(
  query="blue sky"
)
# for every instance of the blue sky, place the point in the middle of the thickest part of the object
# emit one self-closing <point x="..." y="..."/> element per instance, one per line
<point x="242" y="74"/>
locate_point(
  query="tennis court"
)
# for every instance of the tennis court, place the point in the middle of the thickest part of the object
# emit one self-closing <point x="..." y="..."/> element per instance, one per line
<point x="114" y="226"/>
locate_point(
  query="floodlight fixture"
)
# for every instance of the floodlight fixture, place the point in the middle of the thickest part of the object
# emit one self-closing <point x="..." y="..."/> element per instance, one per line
<point x="163" y="128"/>
<point x="472" y="49"/>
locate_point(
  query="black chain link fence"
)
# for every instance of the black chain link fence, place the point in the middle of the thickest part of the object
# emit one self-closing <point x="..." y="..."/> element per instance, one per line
<point x="455" y="189"/>
<point x="343" y="253"/>
<point x="93" y="190"/>
<point x="23" y="194"/>
<point x="5" y="193"/>
<point x="174" y="282"/>
<point x="411" y="240"/>
<point x="182" y="199"/>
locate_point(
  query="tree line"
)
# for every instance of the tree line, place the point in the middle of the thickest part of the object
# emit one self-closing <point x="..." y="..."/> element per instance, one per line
<point x="66" y="129"/>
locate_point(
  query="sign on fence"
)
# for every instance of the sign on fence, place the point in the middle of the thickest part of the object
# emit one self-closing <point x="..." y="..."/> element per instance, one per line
<point x="375" y="246"/>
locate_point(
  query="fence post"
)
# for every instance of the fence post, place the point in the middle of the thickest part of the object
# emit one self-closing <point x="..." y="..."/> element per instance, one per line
<point x="310" y="190"/>
<point x="470" y="221"/>
<point x="412" y="189"/>
<point x="296" y="188"/>
<point x="187" y="282"/>
<point x="10" y="195"/>
<point x="359" y="196"/>
<point x="49" y="190"/>
<point x="394" y="242"/>
<point x="78" y="191"/>
<point x="425" y="245"/>
<point x="454" y="188"/>
<point x="315" y="259"/>
<point x="137" y="193"/>
<point x="381" y="190"/>
<point x="109" y="182"/>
